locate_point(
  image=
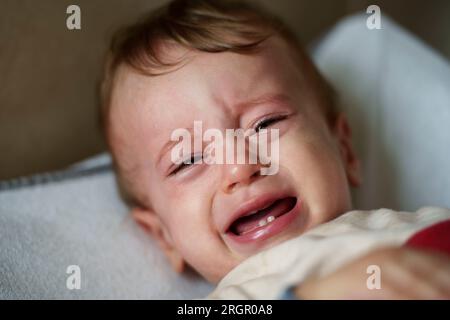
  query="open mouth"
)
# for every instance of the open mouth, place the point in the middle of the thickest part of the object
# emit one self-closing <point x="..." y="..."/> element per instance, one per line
<point x="261" y="218"/>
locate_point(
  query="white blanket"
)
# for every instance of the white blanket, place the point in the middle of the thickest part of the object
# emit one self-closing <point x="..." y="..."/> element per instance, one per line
<point x="322" y="250"/>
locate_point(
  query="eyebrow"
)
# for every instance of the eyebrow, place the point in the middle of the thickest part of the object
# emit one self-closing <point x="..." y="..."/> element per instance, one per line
<point x="278" y="98"/>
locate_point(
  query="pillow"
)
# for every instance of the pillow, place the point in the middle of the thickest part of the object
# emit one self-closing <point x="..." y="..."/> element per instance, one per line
<point x="395" y="92"/>
<point x="75" y="217"/>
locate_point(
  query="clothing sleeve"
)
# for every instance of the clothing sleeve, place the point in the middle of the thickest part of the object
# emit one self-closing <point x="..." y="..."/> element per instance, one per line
<point x="289" y="294"/>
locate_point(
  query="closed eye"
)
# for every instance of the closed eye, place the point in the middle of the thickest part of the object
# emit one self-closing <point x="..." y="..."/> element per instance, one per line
<point x="267" y="122"/>
<point x="194" y="159"/>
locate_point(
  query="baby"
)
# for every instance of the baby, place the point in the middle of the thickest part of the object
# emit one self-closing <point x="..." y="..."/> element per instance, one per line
<point x="232" y="66"/>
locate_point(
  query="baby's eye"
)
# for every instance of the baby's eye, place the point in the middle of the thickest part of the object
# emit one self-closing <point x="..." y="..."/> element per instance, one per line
<point x="264" y="123"/>
<point x="194" y="159"/>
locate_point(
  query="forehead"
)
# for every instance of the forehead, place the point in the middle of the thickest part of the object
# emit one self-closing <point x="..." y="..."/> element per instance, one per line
<point x="209" y="87"/>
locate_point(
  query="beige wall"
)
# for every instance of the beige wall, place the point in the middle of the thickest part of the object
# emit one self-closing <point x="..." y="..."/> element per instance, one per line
<point x="48" y="74"/>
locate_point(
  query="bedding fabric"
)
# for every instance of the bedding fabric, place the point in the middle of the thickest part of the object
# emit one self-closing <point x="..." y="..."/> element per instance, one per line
<point x="81" y="221"/>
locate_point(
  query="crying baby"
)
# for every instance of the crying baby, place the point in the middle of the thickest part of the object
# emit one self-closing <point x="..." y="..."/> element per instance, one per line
<point x="261" y="221"/>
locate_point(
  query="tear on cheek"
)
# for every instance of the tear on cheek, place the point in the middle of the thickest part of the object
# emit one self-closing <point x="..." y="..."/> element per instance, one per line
<point x="270" y="163"/>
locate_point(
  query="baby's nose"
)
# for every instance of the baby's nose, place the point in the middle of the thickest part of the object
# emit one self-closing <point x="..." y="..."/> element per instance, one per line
<point x="236" y="175"/>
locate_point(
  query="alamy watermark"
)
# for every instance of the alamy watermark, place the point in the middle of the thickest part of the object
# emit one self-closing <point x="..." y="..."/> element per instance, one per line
<point x="374" y="280"/>
<point x="374" y="20"/>
<point x="237" y="146"/>
<point x="73" y="21"/>
<point x="73" y="281"/>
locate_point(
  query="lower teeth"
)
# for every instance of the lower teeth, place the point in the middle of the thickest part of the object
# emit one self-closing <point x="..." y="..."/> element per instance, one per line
<point x="263" y="222"/>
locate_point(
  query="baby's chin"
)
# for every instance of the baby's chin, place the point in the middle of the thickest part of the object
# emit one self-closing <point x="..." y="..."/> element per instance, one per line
<point x="276" y="221"/>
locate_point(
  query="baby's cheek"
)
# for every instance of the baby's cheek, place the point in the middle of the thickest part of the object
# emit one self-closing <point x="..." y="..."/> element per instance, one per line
<point x="299" y="153"/>
<point x="199" y="246"/>
<point x="189" y="215"/>
<point x="317" y="174"/>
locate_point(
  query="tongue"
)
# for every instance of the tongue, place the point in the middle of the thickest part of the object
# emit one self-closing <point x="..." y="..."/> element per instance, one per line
<point x="251" y="222"/>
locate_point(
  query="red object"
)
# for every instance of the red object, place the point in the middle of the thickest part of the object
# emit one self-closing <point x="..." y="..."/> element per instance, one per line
<point x="435" y="237"/>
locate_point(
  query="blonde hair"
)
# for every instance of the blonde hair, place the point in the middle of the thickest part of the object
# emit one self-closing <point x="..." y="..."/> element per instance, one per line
<point x="203" y="25"/>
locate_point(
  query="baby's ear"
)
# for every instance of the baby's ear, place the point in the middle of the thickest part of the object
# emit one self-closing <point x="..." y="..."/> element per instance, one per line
<point x="351" y="162"/>
<point x="151" y="222"/>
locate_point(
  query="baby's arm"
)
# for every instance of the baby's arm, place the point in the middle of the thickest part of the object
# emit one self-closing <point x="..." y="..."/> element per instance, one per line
<point x="405" y="274"/>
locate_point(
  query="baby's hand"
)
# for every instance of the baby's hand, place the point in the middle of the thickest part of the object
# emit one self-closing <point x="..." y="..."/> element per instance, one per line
<point x="405" y="274"/>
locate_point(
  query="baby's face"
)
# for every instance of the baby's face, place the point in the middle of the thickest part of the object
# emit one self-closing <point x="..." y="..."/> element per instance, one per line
<point x="204" y="214"/>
